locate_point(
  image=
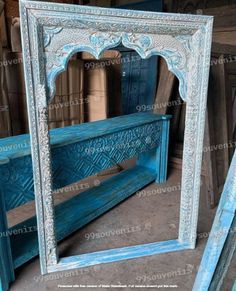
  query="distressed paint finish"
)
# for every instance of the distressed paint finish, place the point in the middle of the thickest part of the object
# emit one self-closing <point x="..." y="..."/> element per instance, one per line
<point x="6" y="265"/>
<point x="74" y="213"/>
<point x="97" y="146"/>
<point x="183" y="40"/>
<point x="222" y="240"/>
<point x="225" y="258"/>
<point x="234" y="287"/>
<point x="139" y="76"/>
<point x="115" y="255"/>
<point x="79" y="151"/>
<point x="157" y="159"/>
<point x="138" y="83"/>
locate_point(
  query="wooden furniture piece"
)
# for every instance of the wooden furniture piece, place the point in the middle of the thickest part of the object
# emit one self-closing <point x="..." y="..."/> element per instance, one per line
<point x="166" y="84"/>
<point x="221" y="244"/>
<point x="100" y="78"/>
<point x="218" y="144"/>
<point x="79" y="91"/>
<point x="184" y="42"/>
<point x="139" y="76"/>
<point x="146" y="5"/>
<point x="221" y="128"/>
<point x="5" y="126"/>
<point x="220" y="133"/>
<point x="120" y="138"/>
<point x="6" y="265"/>
<point x="138" y="83"/>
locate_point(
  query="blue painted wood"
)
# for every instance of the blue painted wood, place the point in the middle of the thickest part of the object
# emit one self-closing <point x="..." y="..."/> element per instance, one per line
<point x="18" y="146"/>
<point x="184" y="42"/>
<point x="139" y="76"/>
<point x="6" y="266"/>
<point x="225" y="259"/>
<point x="78" y="152"/>
<point x="139" y="81"/>
<point x="157" y="159"/>
<point x="163" y="154"/>
<point x="115" y="255"/>
<point x="73" y="214"/>
<point x="234" y="287"/>
<point x="96" y="147"/>
<point x="222" y="240"/>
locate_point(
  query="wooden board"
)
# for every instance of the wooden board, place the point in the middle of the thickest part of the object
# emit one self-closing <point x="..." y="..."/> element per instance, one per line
<point x="225" y="35"/>
<point x="1" y="6"/>
<point x="6" y="263"/>
<point x="165" y="88"/>
<point x="5" y="125"/>
<point x="230" y="71"/>
<point x="81" y="209"/>
<point x="190" y="6"/>
<point x="225" y="259"/>
<point x="221" y="119"/>
<point x="222" y="239"/>
<point x="223" y="16"/>
<point x="16" y="93"/>
<point x="139" y="76"/>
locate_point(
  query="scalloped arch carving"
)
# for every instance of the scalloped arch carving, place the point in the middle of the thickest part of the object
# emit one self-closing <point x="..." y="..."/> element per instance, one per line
<point x="60" y="46"/>
<point x="52" y="32"/>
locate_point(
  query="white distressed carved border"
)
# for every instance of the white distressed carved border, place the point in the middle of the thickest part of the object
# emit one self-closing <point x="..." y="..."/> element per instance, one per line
<point x="52" y="33"/>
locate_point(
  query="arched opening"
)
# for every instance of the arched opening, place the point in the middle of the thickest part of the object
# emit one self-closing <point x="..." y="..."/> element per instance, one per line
<point x="120" y="83"/>
<point x="91" y="148"/>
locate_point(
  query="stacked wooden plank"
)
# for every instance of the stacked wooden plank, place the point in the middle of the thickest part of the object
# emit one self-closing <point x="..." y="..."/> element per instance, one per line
<point x="79" y="91"/>
<point x="5" y="125"/>
<point x="75" y="101"/>
<point x="67" y="107"/>
<point x="220" y="133"/>
<point x="221" y="122"/>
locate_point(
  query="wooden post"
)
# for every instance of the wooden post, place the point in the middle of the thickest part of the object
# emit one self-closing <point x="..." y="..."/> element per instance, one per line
<point x="209" y="161"/>
<point x="6" y="265"/>
<point x="163" y="153"/>
<point x="157" y="159"/>
<point x="5" y="125"/>
<point x="165" y="88"/>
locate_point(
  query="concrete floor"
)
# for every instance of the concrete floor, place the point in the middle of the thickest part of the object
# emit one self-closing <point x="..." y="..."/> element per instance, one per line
<point x="149" y="216"/>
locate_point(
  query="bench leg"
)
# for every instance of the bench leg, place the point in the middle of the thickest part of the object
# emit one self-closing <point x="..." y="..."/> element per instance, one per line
<point x="157" y="159"/>
<point x="6" y="264"/>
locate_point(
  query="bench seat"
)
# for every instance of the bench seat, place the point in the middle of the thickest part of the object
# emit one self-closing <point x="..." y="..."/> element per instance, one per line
<point x="78" y="152"/>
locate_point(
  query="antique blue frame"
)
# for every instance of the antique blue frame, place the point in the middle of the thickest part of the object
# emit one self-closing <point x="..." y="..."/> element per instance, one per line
<point x="221" y="244"/>
<point x="51" y="34"/>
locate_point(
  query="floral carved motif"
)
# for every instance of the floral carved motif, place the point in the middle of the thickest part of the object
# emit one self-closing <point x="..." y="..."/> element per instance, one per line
<point x="49" y="32"/>
<point x="175" y="50"/>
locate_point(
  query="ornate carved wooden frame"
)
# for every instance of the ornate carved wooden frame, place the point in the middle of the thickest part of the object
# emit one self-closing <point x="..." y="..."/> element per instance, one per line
<point x="51" y="34"/>
<point x="221" y="243"/>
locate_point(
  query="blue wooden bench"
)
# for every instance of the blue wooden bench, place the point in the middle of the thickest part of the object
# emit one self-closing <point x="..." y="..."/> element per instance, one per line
<point x="78" y="152"/>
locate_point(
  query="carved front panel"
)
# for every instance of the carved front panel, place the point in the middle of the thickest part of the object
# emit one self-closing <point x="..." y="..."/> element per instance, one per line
<point x="74" y="162"/>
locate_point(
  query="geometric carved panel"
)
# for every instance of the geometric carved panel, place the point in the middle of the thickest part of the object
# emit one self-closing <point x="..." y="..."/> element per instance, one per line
<point x="78" y="160"/>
